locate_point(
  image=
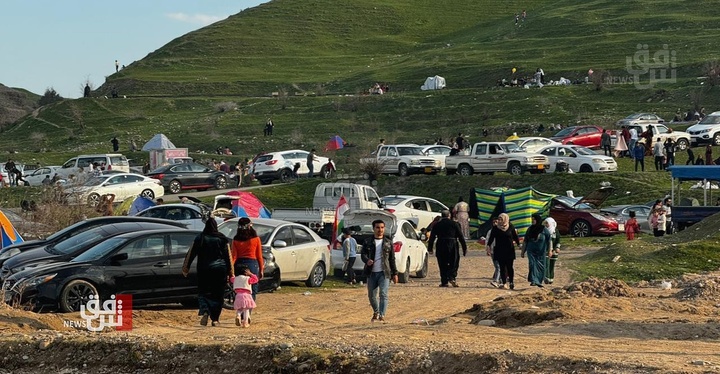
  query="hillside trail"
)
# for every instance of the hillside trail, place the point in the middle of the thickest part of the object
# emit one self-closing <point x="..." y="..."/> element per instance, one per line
<point x="608" y="324"/>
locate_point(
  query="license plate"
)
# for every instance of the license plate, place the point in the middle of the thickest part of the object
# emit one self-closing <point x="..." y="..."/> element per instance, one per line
<point x="541" y="166"/>
<point x="621" y="227"/>
<point x="428" y="170"/>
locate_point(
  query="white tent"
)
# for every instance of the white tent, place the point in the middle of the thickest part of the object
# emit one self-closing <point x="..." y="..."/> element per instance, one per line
<point x="159" y="141"/>
<point x="433" y="83"/>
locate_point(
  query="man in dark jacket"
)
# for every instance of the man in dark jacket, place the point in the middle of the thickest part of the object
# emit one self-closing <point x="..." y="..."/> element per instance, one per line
<point x="379" y="258"/>
<point x="448" y="233"/>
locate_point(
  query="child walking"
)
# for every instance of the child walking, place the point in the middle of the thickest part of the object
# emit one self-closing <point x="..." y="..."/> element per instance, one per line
<point x="244" y="302"/>
<point x="631" y="226"/>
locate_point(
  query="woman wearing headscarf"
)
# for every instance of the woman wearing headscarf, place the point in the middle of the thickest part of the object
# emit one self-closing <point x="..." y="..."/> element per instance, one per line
<point x="536" y="245"/>
<point x="214" y="270"/>
<point x="504" y="237"/>
<point x="247" y="250"/>
<point x="553" y="251"/>
<point x="460" y="211"/>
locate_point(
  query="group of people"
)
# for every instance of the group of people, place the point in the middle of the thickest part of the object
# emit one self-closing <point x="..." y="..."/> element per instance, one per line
<point x="690" y="116"/>
<point x="15" y="176"/>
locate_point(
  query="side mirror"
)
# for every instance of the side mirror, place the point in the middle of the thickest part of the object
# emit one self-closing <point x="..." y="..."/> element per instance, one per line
<point x="280" y="244"/>
<point x="115" y="260"/>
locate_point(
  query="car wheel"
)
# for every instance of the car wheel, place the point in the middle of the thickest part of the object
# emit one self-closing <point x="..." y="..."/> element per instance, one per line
<point x="716" y="139"/>
<point x="581" y="228"/>
<point x="515" y="169"/>
<point x="148" y="194"/>
<point x="403" y="170"/>
<point x="317" y="276"/>
<point x="682" y="144"/>
<point x="220" y="183"/>
<point x="93" y="199"/>
<point x="585" y="168"/>
<point x="323" y="172"/>
<point x="465" y="170"/>
<point x="424" y="271"/>
<point x="285" y="175"/>
<point x="175" y="186"/>
<point x="404" y="277"/>
<point x="75" y="294"/>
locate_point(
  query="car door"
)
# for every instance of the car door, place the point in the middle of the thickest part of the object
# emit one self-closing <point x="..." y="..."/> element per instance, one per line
<point x="200" y="175"/>
<point x="285" y="255"/>
<point x="436" y="208"/>
<point x="37" y="176"/>
<point x="479" y="157"/>
<point x="566" y="154"/>
<point x="420" y="212"/>
<point x="186" y="215"/>
<point x="589" y="137"/>
<point x="307" y="251"/>
<point x="412" y="247"/>
<point x="496" y="158"/>
<point x="391" y="161"/>
<point x="182" y="173"/>
<point x="115" y="185"/>
<point x="144" y="273"/>
<point x="133" y="185"/>
<point x="551" y="154"/>
<point x="179" y="244"/>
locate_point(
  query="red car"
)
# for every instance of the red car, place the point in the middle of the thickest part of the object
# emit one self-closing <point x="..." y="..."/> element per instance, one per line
<point x="586" y="136"/>
<point x="580" y="217"/>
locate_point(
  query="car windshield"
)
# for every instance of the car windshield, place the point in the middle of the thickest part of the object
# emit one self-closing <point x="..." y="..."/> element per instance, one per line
<point x="710" y="120"/>
<point x="510" y="147"/>
<point x="72" y="244"/>
<point x="100" y="250"/>
<point x="585" y="151"/>
<point x="392" y="200"/>
<point x="564" y="132"/>
<point x="229" y="229"/>
<point x="95" y="181"/>
<point x="634" y="116"/>
<point x="572" y="201"/>
<point x="410" y="151"/>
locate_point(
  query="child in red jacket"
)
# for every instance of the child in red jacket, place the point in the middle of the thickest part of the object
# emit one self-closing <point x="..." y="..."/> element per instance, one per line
<point x="631" y="226"/>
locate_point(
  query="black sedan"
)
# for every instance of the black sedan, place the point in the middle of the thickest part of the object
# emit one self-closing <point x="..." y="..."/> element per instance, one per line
<point x="189" y="176"/>
<point x="77" y="228"/>
<point x="75" y="245"/>
<point x="144" y="264"/>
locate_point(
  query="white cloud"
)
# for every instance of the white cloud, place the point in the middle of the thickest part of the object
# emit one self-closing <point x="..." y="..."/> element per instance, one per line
<point x="198" y="19"/>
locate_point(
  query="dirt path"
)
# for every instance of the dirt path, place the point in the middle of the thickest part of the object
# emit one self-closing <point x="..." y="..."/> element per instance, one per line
<point x="445" y="329"/>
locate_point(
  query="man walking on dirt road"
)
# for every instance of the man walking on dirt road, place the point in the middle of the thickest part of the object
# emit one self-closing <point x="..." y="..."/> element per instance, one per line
<point x="448" y="233"/>
<point x="379" y="258"/>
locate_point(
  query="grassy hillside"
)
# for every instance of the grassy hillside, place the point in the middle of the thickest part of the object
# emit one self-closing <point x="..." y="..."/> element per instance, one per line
<point x="15" y="103"/>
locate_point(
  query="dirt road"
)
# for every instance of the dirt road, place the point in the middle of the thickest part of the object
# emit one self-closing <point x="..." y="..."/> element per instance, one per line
<point x="474" y="328"/>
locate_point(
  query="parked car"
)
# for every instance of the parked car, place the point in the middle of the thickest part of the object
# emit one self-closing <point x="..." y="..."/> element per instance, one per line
<point x="437" y="152"/>
<point x="192" y="215"/>
<point x="579" y="159"/>
<point x="581" y="217"/>
<point x="111" y="161"/>
<point x="416" y="209"/>
<point x="707" y="131"/>
<point x="73" y="246"/>
<point x="292" y="252"/>
<point x="146" y="264"/>
<point x="586" y="136"/>
<point x="621" y="213"/>
<point x="411" y="256"/>
<point x="189" y="176"/>
<point x="640" y="119"/>
<point x="122" y="185"/>
<point x="36" y="177"/>
<point x="532" y="144"/>
<point x="279" y="166"/>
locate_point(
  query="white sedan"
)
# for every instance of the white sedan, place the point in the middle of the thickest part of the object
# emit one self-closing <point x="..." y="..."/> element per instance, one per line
<point x="122" y="185"/>
<point x="411" y="256"/>
<point x="36" y="177"/>
<point x="417" y="209"/>
<point x="579" y="159"/>
<point x="532" y="144"/>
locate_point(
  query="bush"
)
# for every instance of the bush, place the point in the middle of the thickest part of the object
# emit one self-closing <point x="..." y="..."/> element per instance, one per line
<point x="49" y="97"/>
<point x="225" y="107"/>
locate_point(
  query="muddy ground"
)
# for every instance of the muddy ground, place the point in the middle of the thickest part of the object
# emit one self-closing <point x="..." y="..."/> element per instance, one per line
<point x="597" y="326"/>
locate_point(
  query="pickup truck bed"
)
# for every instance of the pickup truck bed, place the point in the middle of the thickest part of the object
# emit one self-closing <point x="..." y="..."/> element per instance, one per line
<point x="684" y="216"/>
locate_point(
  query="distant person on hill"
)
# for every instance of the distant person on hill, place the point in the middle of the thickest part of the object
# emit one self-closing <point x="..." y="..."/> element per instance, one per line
<point x="310" y="162"/>
<point x="524" y="15"/>
<point x="460" y="142"/>
<point x="517" y="19"/>
<point x="691" y="156"/>
<point x="678" y="116"/>
<point x="115" y="144"/>
<point x="117" y="66"/>
<point x="86" y="91"/>
<point x="639" y="156"/>
<point x="708" y="155"/>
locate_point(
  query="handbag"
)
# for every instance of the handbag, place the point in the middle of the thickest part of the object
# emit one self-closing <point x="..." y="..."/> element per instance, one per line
<point x="345" y="265"/>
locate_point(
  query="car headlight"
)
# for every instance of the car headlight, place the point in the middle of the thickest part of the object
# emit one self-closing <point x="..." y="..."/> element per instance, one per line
<point x="10" y="253"/>
<point x="414" y="162"/>
<point x="600" y="217"/>
<point x="598" y="161"/>
<point x="34" y="281"/>
<point x="703" y="131"/>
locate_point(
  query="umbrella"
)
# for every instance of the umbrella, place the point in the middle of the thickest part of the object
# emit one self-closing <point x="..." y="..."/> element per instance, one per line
<point x="334" y="143"/>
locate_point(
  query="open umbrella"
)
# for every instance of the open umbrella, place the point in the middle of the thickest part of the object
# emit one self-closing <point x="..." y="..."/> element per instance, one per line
<point x="334" y="143"/>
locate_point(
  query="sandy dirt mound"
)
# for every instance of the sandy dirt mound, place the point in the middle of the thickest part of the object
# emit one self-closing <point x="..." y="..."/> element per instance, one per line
<point x="700" y="288"/>
<point x="594" y="287"/>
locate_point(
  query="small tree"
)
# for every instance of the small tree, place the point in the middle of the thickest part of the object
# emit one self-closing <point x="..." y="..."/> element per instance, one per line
<point x="712" y="70"/>
<point x="50" y="96"/>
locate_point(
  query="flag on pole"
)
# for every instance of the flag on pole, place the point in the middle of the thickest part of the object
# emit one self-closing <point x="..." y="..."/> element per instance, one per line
<point x="338" y="224"/>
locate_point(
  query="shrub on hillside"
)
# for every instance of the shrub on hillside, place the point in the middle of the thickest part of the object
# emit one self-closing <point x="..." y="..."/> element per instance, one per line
<point x="227" y="106"/>
<point x="50" y="96"/>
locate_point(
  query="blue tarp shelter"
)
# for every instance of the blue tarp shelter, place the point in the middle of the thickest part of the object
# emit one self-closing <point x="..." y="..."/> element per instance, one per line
<point x="703" y="173"/>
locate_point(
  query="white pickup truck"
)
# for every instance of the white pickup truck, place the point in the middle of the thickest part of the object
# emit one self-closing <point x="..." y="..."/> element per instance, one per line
<point x="404" y="159"/>
<point x="321" y="215"/>
<point x="491" y="157"/>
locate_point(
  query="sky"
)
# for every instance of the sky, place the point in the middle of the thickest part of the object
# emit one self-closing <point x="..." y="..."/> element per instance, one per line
<point x="63" y="44"/>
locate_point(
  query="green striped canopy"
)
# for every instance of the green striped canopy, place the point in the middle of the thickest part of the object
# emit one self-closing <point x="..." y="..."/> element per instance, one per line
<point x="520" y="204"/>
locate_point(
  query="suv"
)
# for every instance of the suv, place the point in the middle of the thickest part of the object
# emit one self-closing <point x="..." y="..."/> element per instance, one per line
<point x="706" y="131"/>
<point x="112" y="161"/>
<point x="279" y="165"/>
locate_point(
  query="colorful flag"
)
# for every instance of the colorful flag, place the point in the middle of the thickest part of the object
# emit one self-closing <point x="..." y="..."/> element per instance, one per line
<point x="338" y="224"/>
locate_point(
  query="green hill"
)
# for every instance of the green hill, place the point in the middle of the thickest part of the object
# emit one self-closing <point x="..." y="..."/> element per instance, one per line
<point x="213" y="87"/>
<point x="15" y="103"/>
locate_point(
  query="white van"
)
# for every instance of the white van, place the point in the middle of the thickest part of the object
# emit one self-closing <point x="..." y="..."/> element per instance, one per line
<point x="112" y="161"/>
